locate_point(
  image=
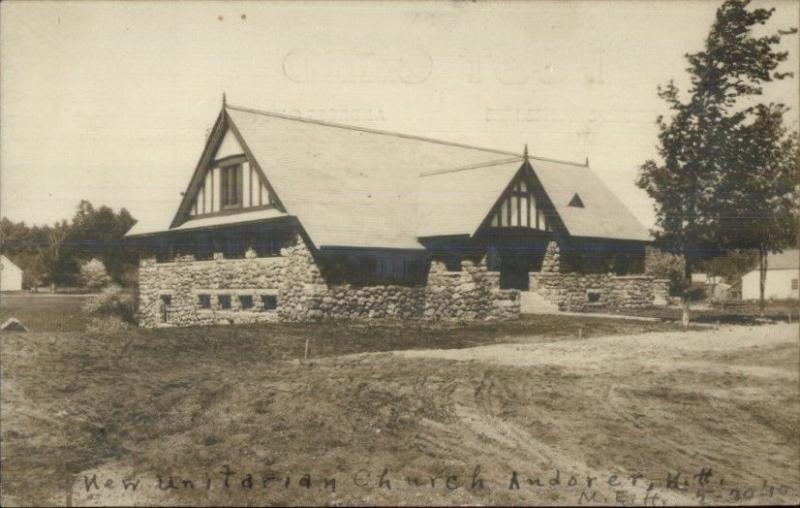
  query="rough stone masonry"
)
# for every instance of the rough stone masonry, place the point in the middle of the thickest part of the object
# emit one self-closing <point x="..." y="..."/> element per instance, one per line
<point x="292" y="288"/>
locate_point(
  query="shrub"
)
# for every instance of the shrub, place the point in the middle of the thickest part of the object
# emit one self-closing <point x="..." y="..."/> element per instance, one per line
<point x="106" y="325"/>
<point x="665" y="266"/>
<point x="113" y="302"/>
<point x="94" y="275"/>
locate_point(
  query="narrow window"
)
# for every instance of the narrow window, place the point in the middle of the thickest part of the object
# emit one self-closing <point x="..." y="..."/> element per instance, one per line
<point x="795" y="284"/>
<point x="231" y="191"/>
<point x="452" y="263"/>
<point x="267" y="244"/>
<point x="527" y="210"/>
<point x="204" y="301"/>
<point x="165" y="303"/>
<point x="203" y="248"/>
<point x="270" y="302"/>
<point x="234" y="245"/>
<point x="224" y="301"/>
<point x="246" y="302"/>
<point x="515" y="213"/>
<point x="493" y="259"/>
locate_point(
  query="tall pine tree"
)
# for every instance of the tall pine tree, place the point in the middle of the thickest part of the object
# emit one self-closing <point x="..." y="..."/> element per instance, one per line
<point x="702" y="145"/>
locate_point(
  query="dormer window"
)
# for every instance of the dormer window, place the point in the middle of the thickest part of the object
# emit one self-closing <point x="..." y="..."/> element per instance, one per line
<point x="576" y="201"/>
<point x="231" y="188"/>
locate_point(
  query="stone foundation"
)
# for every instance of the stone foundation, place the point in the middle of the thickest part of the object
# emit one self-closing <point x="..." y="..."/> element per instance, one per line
<point x="302" y="294"/>
<point x="577" y="292"/>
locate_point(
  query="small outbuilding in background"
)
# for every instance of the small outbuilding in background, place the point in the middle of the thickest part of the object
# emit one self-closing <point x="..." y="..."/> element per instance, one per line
<point x="783" y="277"/>
<point x="10" y="275"/>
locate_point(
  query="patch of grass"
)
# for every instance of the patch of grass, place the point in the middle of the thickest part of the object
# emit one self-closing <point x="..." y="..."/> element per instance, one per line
<point x="738" y="313"/>
<point x="41" y="312"/>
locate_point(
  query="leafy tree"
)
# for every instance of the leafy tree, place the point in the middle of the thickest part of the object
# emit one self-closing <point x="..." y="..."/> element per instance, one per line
<point x="55" y="253"/>
<point x="96" y="233"/>
<point x="665" y="265"/>
<point x="761" y="195"/>
<point x="732" y="266"/>
<point x="94" y="275"/>
<point x="702" y="144"/>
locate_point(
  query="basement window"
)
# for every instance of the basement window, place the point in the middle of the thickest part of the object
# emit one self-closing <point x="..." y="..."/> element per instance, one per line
<point x="246" y="302"/>
<point x="224" y="302"/>
<point x="270" y="302"/>
<point x="593" y="295"/>
<point x="204" y="301"/>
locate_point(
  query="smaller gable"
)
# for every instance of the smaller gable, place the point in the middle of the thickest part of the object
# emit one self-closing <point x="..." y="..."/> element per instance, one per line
<point x="519" y="206"/>
<point x="576" y="201"/>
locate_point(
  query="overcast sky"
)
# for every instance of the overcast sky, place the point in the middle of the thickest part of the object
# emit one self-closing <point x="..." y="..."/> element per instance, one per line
<point x="111" y="102"/>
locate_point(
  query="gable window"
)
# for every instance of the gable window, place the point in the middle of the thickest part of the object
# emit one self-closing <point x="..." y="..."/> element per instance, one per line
<point x="231" y="186"/>
<point x="576" y="201"/>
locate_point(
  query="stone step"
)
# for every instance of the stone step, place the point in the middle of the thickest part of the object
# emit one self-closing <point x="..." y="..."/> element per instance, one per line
<point x="532" y="302"/>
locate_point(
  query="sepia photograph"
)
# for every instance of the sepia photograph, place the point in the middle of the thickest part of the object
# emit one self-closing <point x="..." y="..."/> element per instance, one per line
<point x="399" y="253"/>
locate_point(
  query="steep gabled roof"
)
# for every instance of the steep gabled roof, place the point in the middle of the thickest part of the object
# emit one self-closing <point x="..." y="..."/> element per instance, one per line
<point x="602" y="216"/>
<point x="8" y="264"/>
<point x="789" y="259"/>
<point x="356" y="187"/>
<point x="456" y="202"/>
<point x="349" y="186"/>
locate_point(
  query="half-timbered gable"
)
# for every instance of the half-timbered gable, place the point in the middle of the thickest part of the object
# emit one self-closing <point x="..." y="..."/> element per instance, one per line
<point x="522" y="205"/>
<point x="227" y="180"/>
<point x="230" y="183"/>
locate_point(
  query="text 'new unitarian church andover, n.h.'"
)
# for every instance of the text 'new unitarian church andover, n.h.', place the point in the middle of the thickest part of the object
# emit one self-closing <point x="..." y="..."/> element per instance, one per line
<point x="291" y="219"/>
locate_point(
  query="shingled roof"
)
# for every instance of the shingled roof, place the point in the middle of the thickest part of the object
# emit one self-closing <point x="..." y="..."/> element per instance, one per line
<point x="356" y="187"/>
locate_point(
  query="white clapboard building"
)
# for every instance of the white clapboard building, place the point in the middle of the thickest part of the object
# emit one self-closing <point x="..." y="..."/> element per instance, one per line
<point x="783" y="277"/>
<point x="10" y="275"/>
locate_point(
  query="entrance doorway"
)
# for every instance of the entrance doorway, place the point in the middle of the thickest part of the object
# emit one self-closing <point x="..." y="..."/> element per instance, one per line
<point x="514" y="272"/>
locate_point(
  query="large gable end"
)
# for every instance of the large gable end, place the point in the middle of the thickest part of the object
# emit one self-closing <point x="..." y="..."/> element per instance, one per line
<point x="227" y="180"/>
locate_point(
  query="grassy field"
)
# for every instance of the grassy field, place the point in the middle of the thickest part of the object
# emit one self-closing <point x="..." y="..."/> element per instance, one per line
<point x="44" y="312"/>
<point x="396" y="413"/>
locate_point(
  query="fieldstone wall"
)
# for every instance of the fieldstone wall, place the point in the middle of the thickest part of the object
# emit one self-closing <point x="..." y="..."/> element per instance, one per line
<point x="303" y="294"/>
<point x="576" y="292"/>
<point x="472" y="293"/>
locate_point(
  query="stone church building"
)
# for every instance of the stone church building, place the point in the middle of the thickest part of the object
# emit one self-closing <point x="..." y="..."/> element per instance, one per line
<point x="293" y="219"/>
